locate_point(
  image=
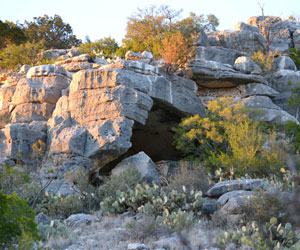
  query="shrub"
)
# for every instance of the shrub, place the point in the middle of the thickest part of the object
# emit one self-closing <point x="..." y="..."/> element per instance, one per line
<point x="17" y="220"/>
<point x="147" y="227"/>
<point x="295" y="55"/>
<point x="147" y="28"/>
<point x="90" y="195"/>
<point x="17" y="179"/>
<point x="190" y="175"/>
<point x="229" y="139"/>
<point x="177" y="221"/>
<point x="257" y="210"/>
<point x="53" y="31"/>
<point x="175" y="50"/>
<point x="292" y="130"/>
<point x="272" y="235"/>
<point x="14" y="56"/>
<point x="265" y="60"/>
<point x="106" y="47"/>
<point x="54" y="230"/>
<point x="294" y="99"/>
<point x="126" y="180"/>
<point x="59" y="206"/>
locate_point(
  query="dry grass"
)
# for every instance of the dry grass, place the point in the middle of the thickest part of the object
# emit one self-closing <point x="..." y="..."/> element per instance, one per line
<point x="190" y="175"/>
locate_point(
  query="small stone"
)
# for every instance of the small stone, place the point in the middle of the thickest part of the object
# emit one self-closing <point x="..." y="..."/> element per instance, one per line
<point x="41" y="218"/>
<point x="137" y="246"/>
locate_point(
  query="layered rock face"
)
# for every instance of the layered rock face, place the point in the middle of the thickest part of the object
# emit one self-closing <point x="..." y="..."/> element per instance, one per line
<point x="223" y="66"/>
<point x="86" y="120"/>
<point x="87" y="116"/>
<point x="27" y="102"/>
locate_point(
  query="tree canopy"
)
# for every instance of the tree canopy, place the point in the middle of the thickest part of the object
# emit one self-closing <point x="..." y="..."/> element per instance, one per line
<point x="147" y="28"/>
<point x="11" y="33"/>
<point x="53" y="31"/>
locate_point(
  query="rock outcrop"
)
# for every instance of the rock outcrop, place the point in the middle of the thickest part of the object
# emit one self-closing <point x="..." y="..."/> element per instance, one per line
<point x="85" y="114"/>
<point x="85" y="120"/>
<point x="223" y="67"/>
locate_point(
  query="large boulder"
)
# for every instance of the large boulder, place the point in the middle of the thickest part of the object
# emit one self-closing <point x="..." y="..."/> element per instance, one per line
<point x="75" y="64"/>
<point x="240" y="26"/>
<point x="218" y="54"/>
<point x="257" y="89"/>
<point x="211" y="74"/>
<point x="35" y="97"/>
<point x="77" y="220"/>
<point x="264" y="109"/>
<point x="245" y="41"/>
<point x="284" y="81"/>
<point x="235" y="202"/>
<point x="279" y="33"/>
<point x="142" y="164"/>
<point x="246" y="65"/>
<point x="23" y="143"/>
<point x="227" y="186"/>
<point x="284" y="63"/>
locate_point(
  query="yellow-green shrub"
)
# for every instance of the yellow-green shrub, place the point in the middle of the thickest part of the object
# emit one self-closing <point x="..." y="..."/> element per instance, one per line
<point x="228" y="138"/>
<point x="265" y="60"/>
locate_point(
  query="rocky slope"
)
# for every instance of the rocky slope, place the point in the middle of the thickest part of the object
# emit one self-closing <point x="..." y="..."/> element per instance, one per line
<point x="88" y="115"/>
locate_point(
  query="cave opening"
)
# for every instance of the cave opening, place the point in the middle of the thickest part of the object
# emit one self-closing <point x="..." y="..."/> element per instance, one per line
<point x="155" y="138"/>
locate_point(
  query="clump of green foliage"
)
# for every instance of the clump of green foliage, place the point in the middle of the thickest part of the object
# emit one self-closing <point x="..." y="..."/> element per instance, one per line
<point x="12" y="57"/>
<point x="295" y="55"/>
<point x="11" y="33"/>
<point x="294" y="99"/>
<point x="52" y="31"/>
<point x="17" y="221"/>
<point x="22" y="43"/>
<point x="229" y="139"/>
<point x="59" y="206"/>
<point x="271" y="235"/>
<point x="106" y="47"/>
<point x="292" y="130"/>
<point x="17" y="180"/>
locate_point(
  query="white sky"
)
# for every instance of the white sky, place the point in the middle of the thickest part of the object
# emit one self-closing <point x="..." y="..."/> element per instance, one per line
<point x="100" y="18"/>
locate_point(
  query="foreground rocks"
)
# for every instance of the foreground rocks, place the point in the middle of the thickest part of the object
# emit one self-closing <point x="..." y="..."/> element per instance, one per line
<point x="141" y="163"/>
<point x="233" y="185"/>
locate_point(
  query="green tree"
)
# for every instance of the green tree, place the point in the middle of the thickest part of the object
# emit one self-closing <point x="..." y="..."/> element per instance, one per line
<point x="106" y="47"/>
<point x="11" y="33"/>
<point x="53" y="31"/>
<point x="14" y="56"/>
<point x="17" y="220"/>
